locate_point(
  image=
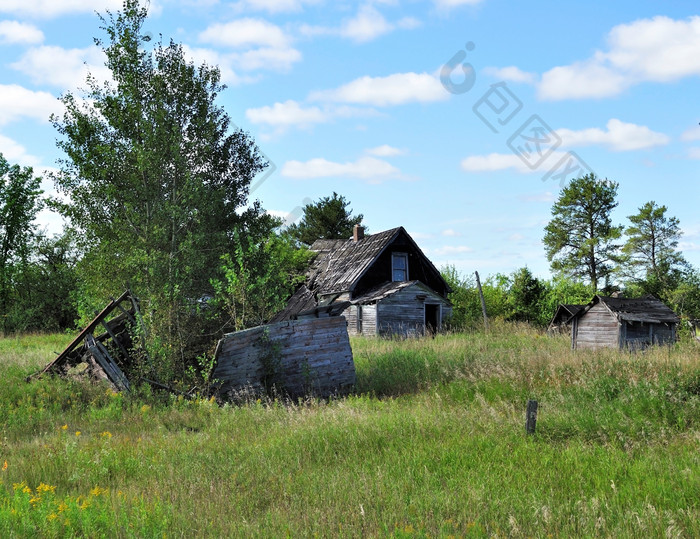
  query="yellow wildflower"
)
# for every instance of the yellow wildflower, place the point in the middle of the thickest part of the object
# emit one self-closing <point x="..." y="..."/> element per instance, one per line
<point x="145" y="408"/>
<point x="62" y="507"/>
<point x="77" y="433"/>
<point x="84" y="505"/>
<point x="4" y="466"/>
<point x="43" y="487"/>
<point x="97" y="491"/>
<point x="65" y="427"/>
<point x="106" y="434"/>
<point x="51" y="517"/>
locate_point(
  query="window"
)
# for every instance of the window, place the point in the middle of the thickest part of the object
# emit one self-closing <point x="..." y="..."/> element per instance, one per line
<point x="399" y="267"/>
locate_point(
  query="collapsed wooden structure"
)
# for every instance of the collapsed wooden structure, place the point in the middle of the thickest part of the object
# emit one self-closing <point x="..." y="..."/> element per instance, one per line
<point x="106" y="354"/>
<point x="294" y="358"/>
<point x="561" y="321"/>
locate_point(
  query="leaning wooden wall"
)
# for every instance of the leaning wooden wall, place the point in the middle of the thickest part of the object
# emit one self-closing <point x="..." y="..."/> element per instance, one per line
<point x="299" y="357"/>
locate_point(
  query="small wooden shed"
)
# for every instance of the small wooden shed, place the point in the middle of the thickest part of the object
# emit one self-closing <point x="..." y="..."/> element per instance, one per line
<point x="561" y="321"/>
<point x="633" y="323"/>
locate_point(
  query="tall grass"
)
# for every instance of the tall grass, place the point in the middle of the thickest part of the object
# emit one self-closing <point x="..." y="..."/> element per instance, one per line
<point x="431" y="444"/>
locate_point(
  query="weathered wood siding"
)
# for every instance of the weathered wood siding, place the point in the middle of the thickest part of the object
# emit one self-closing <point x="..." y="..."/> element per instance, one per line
<point x="638" y="335"/>
<point x="369" y="319"/>
<point x="299" y="357"/>
<point x="597" y="328"/>
<point x="403" y="313"/>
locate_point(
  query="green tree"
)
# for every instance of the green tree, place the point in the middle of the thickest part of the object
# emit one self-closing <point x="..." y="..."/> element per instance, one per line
<point x="155" y="174"/>
<point x="580" y="239"/>
<point x="329" y="218"/>
<point x="260" y="274"/>
<point x="525" y="296"/>
<point x="651" y="255"/>
<point x="44" y="297"/>
<point x="20" y="201"/>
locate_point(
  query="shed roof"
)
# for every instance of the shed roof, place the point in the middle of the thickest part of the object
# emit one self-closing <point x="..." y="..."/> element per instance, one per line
<point x="645" y="309"/>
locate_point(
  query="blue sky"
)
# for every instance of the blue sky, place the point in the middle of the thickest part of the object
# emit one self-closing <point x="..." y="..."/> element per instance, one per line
<point x="370" y="99"/>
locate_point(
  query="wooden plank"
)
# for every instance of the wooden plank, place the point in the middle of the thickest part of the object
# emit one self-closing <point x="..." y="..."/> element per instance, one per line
<point x="84" y="333"/>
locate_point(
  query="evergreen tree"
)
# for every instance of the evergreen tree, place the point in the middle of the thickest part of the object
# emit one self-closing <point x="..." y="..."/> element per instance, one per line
<point x="651" y="255"/>
<point x="579" y="240"/>
<point x="329" y="219"/>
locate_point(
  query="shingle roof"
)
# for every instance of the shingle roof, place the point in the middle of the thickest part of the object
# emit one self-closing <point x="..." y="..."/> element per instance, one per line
<point x="342" y="262"/>
<point x="645" y="309"/>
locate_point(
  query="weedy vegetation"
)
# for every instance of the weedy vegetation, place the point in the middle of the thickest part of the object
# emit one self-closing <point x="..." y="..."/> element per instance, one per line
<point x="431" y="444"/>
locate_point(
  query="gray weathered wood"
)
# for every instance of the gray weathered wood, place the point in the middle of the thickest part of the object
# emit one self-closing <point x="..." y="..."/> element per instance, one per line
<point x="531" y="417"/>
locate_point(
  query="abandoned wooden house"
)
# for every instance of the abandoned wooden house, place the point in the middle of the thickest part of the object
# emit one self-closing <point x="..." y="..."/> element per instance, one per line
<point x="382" y="284"/>
<point x="608" y="322"/>
<point x="561" y="321"/>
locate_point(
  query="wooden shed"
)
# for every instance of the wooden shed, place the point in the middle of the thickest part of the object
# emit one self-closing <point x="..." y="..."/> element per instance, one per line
<point x="382" y="284"/>
<point x="561" y="321"/>
<point x="608" y="322"/>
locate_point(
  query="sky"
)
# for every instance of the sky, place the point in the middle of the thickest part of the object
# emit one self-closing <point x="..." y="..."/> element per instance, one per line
<point x="459" y="120"/>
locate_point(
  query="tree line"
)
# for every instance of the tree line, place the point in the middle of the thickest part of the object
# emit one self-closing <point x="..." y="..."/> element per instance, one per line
<point x="589" y="254"/>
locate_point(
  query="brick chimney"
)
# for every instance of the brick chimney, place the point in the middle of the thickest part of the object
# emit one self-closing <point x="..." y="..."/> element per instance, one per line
<point x="358" y="233"/>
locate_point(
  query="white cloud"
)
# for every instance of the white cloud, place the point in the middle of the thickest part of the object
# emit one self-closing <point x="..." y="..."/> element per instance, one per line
<point x="449" y="4"/>
<point x="289" y="113"/>
<point x="660" y="49"/>
<point x="691" y="134"/>
<point x="510" y="74"/>
<point x="619" y="136"/>
<point x="275" y="6"/>
<point x="385" y="151"/>
<point x="396" y="89"/>
<point x="293" y="114"/>
<point x="222" y="61"/>
<point x="55" y="8"/>
<point x="451" y="232"/>
<point x="243" y="33"/>
<point x="17" y="102"/>
<point x="63" y="68"/>
<point x="19" y="32"/>
<point x="369" y="169"/>
<point x="694" y="153"/>
<point x="15" y="153"/>
<point x="494" y="162"/>
<point x="366" y="25"/>
<point x="267" y="58"/>
<point x="264" y="45"/>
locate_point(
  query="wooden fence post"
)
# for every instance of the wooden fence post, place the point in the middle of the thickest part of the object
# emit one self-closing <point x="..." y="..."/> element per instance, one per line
<point x="483" y="302"/>
<point x="531" y="421"/>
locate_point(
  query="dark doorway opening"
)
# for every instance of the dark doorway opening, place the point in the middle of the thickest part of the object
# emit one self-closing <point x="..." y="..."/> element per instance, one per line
<point x="432" y="318"/>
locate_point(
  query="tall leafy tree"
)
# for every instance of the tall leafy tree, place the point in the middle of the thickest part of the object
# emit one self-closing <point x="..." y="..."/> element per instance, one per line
<point x="580" y="239"/>
<point x="651" y="248"/>
<point x="20" y="201"/>
<point x="156" y="175"/>
<point x="329" y="218"/>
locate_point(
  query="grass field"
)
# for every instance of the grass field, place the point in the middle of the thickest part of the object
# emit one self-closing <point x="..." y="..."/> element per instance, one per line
<point x="431" y="445"/>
